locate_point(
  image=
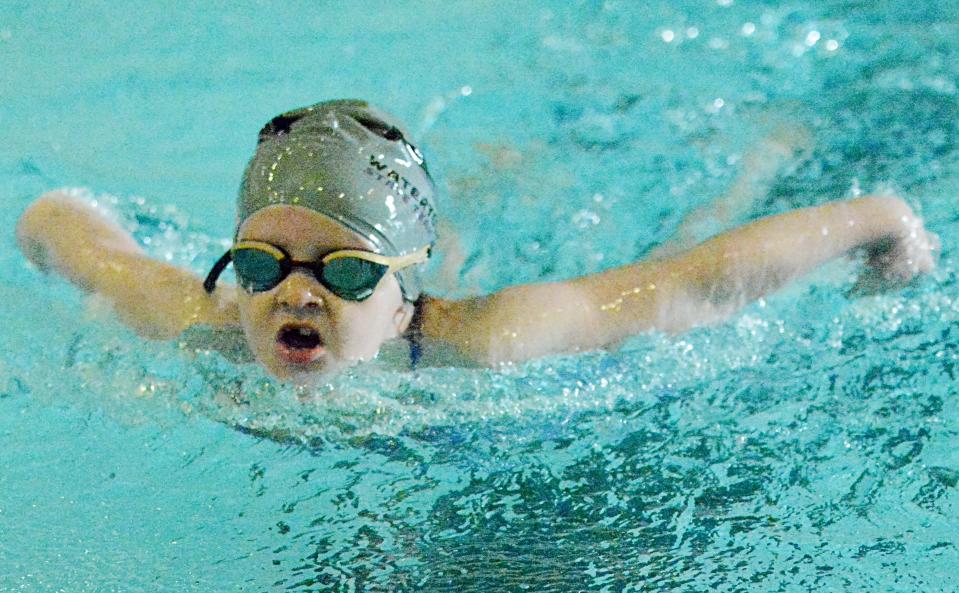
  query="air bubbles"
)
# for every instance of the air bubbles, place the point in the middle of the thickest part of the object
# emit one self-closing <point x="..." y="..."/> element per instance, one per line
<point x="825" y="36"/>
<point x="748" y="29"/>
<point x="855" y="189"/>
<point x="466" y="91"/>
<point x="679" y="35"/>
<point x="716" y="105"/>
<point x="718" y="43"/>
<point x="585" y="218"/>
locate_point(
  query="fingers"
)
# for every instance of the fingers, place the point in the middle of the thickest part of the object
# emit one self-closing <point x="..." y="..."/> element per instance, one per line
<point x="895" y="262"/>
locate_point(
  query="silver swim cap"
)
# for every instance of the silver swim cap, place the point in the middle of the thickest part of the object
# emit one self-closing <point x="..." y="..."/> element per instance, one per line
<point x="352" y="162"/>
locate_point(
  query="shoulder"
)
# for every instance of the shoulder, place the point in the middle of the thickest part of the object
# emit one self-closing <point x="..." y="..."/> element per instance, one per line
<point x="517" y="323"/>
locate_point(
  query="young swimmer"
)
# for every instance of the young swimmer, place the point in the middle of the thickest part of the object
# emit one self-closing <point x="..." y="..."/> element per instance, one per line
<point x="335" y="220"/>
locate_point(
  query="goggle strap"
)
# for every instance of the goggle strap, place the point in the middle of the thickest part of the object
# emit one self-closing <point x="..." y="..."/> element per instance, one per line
<point x="209" y="285"/>
<point x="417" y="257"/>
<point x="393" y="263"/>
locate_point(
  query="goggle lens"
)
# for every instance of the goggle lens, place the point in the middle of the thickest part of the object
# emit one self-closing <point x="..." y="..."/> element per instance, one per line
<point x="347" y="277"/>
<point x="257" y="270"/>
<point x="352" y="278"/>
<point x="348" y="273"/>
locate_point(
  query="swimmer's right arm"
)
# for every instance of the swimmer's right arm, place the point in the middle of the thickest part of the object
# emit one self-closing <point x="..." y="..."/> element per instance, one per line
<point x="63" y="234"/>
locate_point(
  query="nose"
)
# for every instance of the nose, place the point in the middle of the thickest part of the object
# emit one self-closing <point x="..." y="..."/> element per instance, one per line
<point x="300" y="290"/>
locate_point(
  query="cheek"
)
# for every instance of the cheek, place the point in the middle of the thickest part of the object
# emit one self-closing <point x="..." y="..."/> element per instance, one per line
<point x="358" y="326"/>
<point x="253" y="313"/>
<point x="383" y="307"/>
<point x="245" y="305"/>
<point x="364" y="327"/>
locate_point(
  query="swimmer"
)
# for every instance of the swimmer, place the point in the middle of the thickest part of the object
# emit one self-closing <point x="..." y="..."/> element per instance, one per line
<point x="335" y="220"/>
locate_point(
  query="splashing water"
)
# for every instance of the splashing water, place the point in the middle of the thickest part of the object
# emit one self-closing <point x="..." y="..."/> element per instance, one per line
<point x="811" y="442"/>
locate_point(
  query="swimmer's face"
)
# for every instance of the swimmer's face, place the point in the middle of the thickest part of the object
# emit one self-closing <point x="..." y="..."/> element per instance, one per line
<point x="299" y="328"/>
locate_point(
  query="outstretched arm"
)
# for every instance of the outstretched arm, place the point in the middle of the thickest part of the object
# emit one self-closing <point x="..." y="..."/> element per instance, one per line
<point x="156" y="299"/>
<point x="704" y="284"/>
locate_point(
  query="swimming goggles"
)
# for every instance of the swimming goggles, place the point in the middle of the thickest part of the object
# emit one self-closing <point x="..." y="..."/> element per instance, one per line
<point x="350" y="274"/>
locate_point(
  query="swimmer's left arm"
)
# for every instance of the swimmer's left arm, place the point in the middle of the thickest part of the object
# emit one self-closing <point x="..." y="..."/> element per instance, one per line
<point x="701" y="285"/>
<point x="721" y="275"/>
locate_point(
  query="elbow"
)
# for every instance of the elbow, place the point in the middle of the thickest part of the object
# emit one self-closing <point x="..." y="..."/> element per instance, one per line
<point x="712" y="301"/>
<point x="47" y="215"/>
<point x="685" y="313"/>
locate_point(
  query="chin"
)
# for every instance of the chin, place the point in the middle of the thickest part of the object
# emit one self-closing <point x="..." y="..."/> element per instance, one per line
<point x="296" y="354"/>
<point x="300" y="358"/>
<point x="300" y="374"/>
<point x="302" y="378"/>
<point x="309" y="373"/>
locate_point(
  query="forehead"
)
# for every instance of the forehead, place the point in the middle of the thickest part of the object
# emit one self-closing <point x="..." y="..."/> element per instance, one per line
<point x="300" y="231"/>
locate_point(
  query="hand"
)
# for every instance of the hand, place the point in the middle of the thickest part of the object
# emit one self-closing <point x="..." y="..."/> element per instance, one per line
<point x="894" y="261"/>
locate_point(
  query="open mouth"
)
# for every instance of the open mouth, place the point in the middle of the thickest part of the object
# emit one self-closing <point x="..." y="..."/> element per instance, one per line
<point x="299" y="344"/>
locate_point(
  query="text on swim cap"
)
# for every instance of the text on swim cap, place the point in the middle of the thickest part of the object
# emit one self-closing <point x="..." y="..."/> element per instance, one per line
<point x="408" y="192"/>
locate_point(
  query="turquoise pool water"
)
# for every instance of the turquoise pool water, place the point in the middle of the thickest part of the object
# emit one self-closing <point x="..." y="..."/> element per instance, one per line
<point x="810" y="443"/>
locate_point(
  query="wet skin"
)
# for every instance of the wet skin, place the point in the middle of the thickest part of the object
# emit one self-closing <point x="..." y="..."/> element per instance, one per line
<point x="348" y="332"/>
<point x="299" y="330"/>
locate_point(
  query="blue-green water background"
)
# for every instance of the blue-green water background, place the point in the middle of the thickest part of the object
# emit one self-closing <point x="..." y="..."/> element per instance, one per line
<point x="811" y="443"/>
